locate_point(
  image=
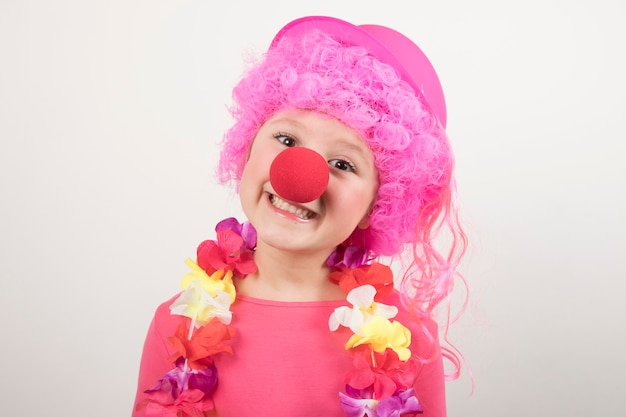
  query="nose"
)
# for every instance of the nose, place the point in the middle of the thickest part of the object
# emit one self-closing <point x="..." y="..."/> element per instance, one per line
<point x="299" y="174"/>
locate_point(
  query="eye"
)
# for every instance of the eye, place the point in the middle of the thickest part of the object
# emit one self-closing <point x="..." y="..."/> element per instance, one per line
<point x="342" y="165"/>
<point x="286" y="139"/>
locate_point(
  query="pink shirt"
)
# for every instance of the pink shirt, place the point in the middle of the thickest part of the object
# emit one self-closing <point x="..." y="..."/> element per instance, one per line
<point x="286" y="361"/>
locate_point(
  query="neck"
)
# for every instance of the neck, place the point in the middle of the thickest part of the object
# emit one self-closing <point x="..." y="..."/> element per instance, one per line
<point x="289" y="276"/>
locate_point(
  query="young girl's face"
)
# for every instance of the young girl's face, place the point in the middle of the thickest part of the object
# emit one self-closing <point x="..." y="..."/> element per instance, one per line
<point x="322" y="224"/>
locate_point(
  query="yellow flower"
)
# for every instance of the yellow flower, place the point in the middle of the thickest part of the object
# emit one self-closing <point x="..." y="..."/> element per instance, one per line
<point x="381" y="334"/>
<point x="205" y="296"/>
<point x="218" y="281"/>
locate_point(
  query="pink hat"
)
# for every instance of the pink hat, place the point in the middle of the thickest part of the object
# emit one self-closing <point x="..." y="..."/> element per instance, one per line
<point x="389" y="46"/>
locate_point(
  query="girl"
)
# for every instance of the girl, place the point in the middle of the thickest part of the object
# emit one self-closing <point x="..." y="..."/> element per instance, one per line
<point x="341" y="160"/>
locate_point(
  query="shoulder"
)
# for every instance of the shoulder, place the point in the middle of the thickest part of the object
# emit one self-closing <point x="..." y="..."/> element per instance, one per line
<point x="163" y="310"/>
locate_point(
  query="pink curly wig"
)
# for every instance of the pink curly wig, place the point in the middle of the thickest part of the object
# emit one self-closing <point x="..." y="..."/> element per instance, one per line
<point x="410" y="147"/>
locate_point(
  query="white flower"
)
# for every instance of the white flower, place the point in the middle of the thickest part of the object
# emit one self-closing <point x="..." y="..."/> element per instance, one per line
<point x="196" y="303"/>
<point x="363" y="310"/>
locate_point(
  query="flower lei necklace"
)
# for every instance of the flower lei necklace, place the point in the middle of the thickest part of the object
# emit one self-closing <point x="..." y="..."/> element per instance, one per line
<point x="381" y="382"/>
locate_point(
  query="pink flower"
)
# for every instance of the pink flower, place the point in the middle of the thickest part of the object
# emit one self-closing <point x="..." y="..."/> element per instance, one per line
<point x="191" y="403"/>
<point x="227" y="253"/>
<point x="383" y="373"/>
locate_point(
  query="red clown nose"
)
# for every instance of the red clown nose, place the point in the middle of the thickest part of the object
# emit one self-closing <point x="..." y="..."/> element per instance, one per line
<point x="299" y="174"/>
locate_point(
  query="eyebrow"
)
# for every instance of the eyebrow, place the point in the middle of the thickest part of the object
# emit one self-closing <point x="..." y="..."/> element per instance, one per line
<point x="287" y="120"/>
<point x="341" y="140"/>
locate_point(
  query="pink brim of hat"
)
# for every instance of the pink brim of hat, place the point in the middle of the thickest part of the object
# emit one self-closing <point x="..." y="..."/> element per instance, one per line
<point x="389" y="46"/>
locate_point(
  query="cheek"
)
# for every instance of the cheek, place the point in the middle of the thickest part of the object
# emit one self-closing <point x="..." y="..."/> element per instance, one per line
<point x="253" y="175"/>
<point x="257" y="163"/>
<point x="351" y="200"/>
<point x="369" y="190"/>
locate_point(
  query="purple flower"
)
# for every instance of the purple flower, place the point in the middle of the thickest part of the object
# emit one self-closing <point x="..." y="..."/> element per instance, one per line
<point x="245" y="230"/>
<point x="183" y="378"/>
<point x="349" y="256"/>
<point x="400" y="403"/>
<point x="358" y="402"/>
<point x="204" y="380"/>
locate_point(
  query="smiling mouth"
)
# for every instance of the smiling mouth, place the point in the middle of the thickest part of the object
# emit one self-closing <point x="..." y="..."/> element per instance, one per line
<point x="299" y="212"/>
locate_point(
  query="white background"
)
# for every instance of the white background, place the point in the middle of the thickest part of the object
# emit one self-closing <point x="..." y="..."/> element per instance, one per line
<point x="110" y="112"/>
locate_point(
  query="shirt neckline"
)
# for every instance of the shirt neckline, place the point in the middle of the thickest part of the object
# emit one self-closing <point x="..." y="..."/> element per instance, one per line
<point x="276" y="303"/>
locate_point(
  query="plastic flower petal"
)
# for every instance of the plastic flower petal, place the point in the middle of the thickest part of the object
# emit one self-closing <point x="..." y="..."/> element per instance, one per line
<point x="227" y="253"/>
<point x="381" y="334"/>
<point x="378" y="275"/>
<point x="363" y="310"/>
<point x="365" y="375"/>
<point x="358" y="403"/>
<point x="384" y="373"/>
<point x="218" y="281"/>
<point x="182" y="378"/>
<point x="196" y="303"/>
<point x="245" y="230"/>
<point x="401" y="403"/>
<point x="191" y="403"/>
<point x="403" y="373"/>
<point x="219" y="307"/>
<point x="181" y="389"/>
<point x="204" y="342"/>
<point x="349" y="256"/>
<point x="192" y="303"/>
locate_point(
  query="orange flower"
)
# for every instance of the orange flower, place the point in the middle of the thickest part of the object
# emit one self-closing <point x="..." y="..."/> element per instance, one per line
<point x="205" y="341"/>
<point x="377" y="275"/>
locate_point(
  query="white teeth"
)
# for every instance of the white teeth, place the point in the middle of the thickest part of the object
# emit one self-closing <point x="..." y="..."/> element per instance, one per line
<point x="283" y="205"/>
